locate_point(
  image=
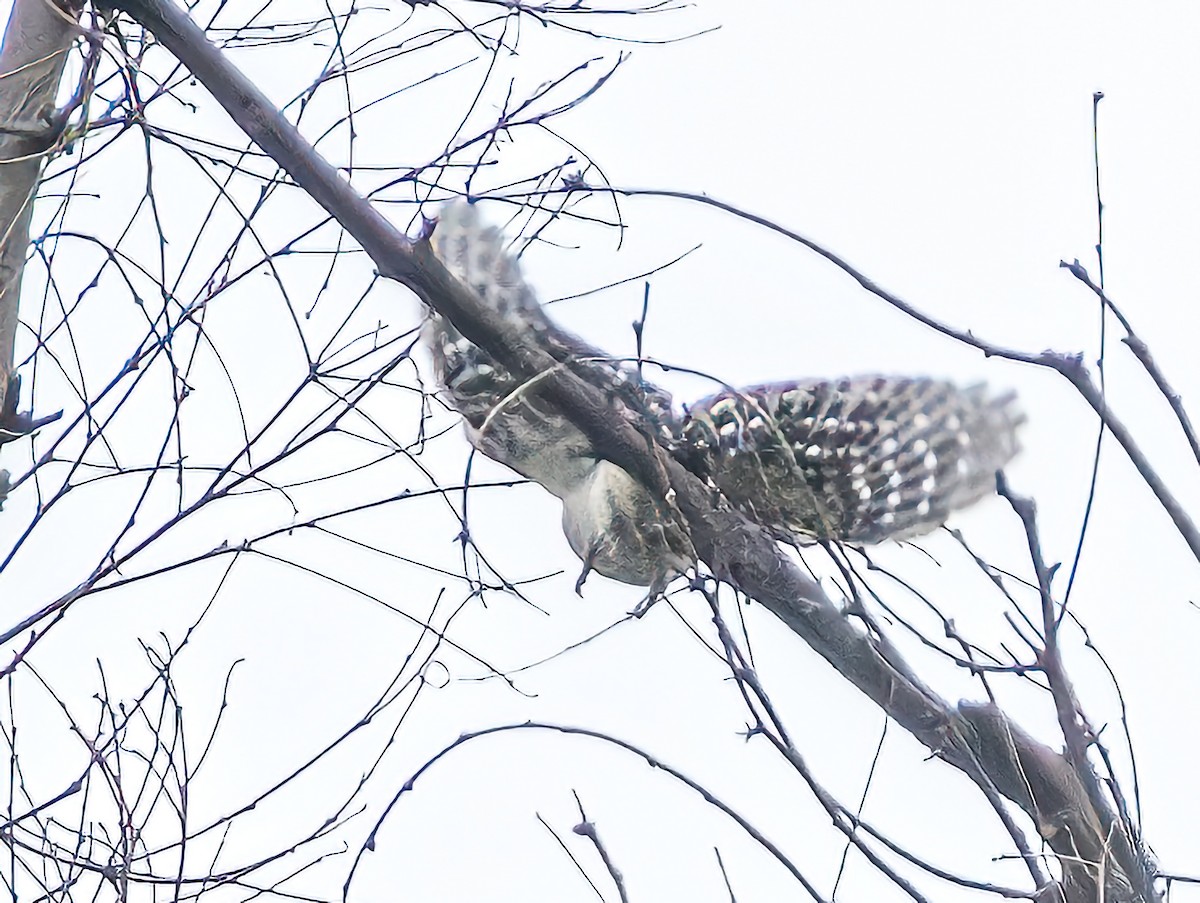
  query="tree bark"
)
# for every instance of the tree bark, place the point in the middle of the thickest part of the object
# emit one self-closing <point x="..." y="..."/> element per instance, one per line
<point x="37" y="39"/>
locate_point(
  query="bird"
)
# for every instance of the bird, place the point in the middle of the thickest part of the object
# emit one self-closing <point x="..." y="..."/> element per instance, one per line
<point x="857" y="459"/>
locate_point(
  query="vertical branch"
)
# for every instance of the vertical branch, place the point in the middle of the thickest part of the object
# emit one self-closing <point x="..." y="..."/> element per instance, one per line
<point x="1096" y="98"/>
<point x="1120" y="846"/>
<point x="36" y="41"/>
<point x="1100" y="367"/>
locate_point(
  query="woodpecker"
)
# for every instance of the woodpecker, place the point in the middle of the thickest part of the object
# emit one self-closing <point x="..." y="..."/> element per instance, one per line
<point x="860" y="459"/>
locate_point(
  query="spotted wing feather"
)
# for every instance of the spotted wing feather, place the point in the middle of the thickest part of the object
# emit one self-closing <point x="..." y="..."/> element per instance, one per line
<point x="860" y="459"/>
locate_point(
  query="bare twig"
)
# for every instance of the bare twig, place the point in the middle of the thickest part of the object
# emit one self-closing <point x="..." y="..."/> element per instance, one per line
<point x="1118" y="842"/>
<point x="1142" y="352"/>
<point x="845" y="820"/>
<point x="653" y="761"/>
<point x="587" y="828"/>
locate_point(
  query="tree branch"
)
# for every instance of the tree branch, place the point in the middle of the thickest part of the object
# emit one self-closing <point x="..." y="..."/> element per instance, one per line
<point x="36" y="41"/>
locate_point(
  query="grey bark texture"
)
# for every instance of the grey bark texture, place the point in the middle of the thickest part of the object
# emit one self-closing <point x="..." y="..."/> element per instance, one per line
<point x="37" y="38"/>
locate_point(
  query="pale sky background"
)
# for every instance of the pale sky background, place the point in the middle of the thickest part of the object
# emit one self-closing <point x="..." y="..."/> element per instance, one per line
<point x="947" y="153"/>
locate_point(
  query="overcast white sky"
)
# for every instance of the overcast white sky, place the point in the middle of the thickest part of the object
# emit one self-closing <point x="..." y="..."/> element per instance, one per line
<point x="944" y="150"/>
